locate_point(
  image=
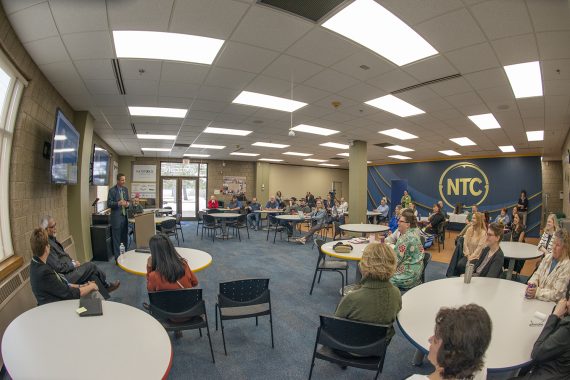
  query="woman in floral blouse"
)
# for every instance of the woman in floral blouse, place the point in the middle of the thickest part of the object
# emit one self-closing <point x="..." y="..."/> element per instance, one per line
<point x="410" y="253"/>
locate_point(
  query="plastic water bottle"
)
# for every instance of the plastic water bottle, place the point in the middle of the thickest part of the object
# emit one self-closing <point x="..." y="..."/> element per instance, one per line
<point x="468" y="273"/>
<point x="122" y="249"/>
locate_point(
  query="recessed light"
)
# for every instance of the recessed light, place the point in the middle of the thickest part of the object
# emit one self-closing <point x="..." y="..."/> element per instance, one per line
<point x="156" y="149"/>
<point x="179" y="113"/>
<point x="399" y="148"/>
<point x="99" y="149"/>
<point x="255" y="99"/>
<point x="166" y="46"/>
<point x="60" y="137"/>
<point x="368" y="162"/>
<point x="314" y="130"/>
<point x="535" y="135"/>
<point x="335" y="145"/>
<point x="298" y="154"/>
<point x="244" y="154"/>
<point x="269" y="145"/>
<point x="270" y="159"/>
<point x="195" y="155"/>
<point x="205" y="146"/>
<point x="507" y="149"/>
<point x="373" y="26"/>
<point x="485" y="121"/>
<point x="227" y="131"/>
<point x="331" y="165"/>
<point x="398" y="134"/>
<point x="144" y="136"/>
<point x="399" y="157"/>
<point x="390" y="103"/>
<point x="64" y="150"/>
<point x="525" y="79"/>
<point x="314" y="160"/>
<point x="463" y="141"/>
<point x="344" y="154"/>
<point x="450" y="153"/>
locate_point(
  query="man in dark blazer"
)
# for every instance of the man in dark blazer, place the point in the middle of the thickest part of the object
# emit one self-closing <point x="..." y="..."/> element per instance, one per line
<point x="47" y="285"/>
<point x="118" y="202"/>
<point x="72" y="270"/>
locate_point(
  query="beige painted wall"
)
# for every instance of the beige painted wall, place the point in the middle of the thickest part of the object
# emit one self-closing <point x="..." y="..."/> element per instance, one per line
<point x="297" y="180"/>
<point x="566" y="176"/>
<point x="552" y="178"/>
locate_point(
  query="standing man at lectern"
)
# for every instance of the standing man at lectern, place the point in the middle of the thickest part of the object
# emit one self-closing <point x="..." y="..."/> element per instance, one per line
<point x="117" y="201"/>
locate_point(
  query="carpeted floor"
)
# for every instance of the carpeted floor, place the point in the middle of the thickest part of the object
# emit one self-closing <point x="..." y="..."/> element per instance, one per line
<point x="289" y="267"/>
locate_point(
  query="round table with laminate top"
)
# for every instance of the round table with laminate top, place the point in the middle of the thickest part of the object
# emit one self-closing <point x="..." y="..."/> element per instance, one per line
<point x="157" y="219"/>
<point x="224" y="216"/>
<point x="518" y="251"/>
<point x="364" y="228"/>
<point x="135" y="262"/>
<point x="53" y="342"/>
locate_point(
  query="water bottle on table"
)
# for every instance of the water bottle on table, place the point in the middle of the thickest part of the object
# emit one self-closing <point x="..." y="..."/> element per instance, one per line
<point x="468" y="273"/>
<point x="122" y="249"/>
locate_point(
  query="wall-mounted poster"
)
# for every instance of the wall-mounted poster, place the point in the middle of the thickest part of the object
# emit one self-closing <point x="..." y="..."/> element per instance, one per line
<point x="234" y="185"/>
<point x="145" y="190"/>
<point x="144" y="173"/>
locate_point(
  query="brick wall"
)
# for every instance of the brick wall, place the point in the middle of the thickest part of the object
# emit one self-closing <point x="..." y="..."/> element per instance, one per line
<point x="551" y="186"/>
<point x="31" y="193"/>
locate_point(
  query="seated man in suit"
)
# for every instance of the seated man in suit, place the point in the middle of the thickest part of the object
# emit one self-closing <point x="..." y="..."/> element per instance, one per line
<point x="47" y="285"/>
<point x="72" y="270"/>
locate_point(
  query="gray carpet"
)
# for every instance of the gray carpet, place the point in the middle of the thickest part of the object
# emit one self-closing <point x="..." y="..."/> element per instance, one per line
<point x="290" y="268"/>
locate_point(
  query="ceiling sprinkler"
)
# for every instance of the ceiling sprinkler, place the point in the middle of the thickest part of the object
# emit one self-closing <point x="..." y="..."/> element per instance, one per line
<point x="291" y="133"/>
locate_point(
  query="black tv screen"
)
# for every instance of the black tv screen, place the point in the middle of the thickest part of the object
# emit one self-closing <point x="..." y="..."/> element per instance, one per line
<point x="100" y="167"/>
<point x="64" y="151"/>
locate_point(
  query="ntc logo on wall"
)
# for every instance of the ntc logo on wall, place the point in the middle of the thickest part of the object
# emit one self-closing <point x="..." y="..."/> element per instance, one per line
<point x="465" y="183"/>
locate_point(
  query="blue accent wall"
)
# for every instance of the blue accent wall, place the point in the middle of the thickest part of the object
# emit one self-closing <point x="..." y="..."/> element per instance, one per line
<point x="464" y="183"/>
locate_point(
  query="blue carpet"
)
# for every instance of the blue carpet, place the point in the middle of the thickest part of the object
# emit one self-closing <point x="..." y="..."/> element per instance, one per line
<point x="290" y="268"/>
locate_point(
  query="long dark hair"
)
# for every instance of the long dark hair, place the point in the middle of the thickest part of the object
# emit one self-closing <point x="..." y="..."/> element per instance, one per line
<point x="165" y="259"/>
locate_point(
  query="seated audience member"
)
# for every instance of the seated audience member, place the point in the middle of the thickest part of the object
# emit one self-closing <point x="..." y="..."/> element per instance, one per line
<point x="234" y="204"/>
<point x="253" y="218"/>
<point x="474" y="240"/>
<point x="241" y="197"/>
<point x="551" y="352"/>
<point x="393" y="225"/>
<point x="135" y="206"/>
<point x="304" y="206"/>
<point x="435" y="220"/>
<point x="318" y="217"/>
<point x="278" y="198"/>
<point x="409" y="252"/>
<point x="213" y="202"/>
<point x="343" y="206"/>
<point x="517" y="234"/>
<point x="442" y="209"/>
<point x="272" y="204"/>
<point x="490" y="262"/>
<point x="291" y="209"/>
<point x="546" y="242"/>
<point x="384" y="210"/>
<point x="550" y="279"/>
<point x="457" y="347"/>
<point x="337" y="212"/>
<point x="515" y="211"/>
<point x="47" y="285"/>
<point x="503" y="217"/>
<point x="328" y="203"/>
<point x="311" y="201"/>
<point x="376" y="300"/>
<point x="412" y="207"/>
<point x="72" y="270"/>
<point x="473" y="211"/>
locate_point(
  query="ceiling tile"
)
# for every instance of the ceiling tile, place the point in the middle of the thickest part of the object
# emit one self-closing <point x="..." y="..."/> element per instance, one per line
<point x="555" y="69"/>
<point x="58" y="71"/>
<point x="549" y="15"/>
<point x="330" y="80"/>
<point x="451" y="31"/>
<point x="141" y="86"/>
<point x="248" y="58"/>
<point x="360" y="92"/>
<point x="415" y="11"/>
<point x="287" y="67"/>
<point x="46" y="51"/>
<point x="451" y="87"/>
<point x="89" y="45"/>
<point x="228" y="78"/>
<point x="307" y="94"/>
<point x="218" y="93"/>
<point x="393" y="80"/>
<point x="322" y="47"/>
<point x="430" y="68"/>
<point x="375" y="64"/>
<point x="92" y="69"/>
<point x="487" y="78"/>
<point x="11" y="6"/>
<point x="554" y="45"/>
<point x="148" y="15"/>
<point x="102" y="87"/>
<point x="516" y="49"/>
<point x="178" y="89"/>
<point x="37" y="15"/>
<point x="502" y="18"/>
<point x="270" y="86"/>
<point x="72" y="16"/>
<point x="184" y="72"/>
<point x="473" y="58"/>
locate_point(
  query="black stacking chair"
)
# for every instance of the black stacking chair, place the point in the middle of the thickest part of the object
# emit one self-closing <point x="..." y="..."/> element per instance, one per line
<point x="179" y="225"/>
<point x="210" y="225"/>
<point x="244" y="299"/>
<point x="184" y="305"/>
<point x="324" y="265"/>
<point x="366" y="341"/>
<point x="241" y="222"/>
<point x="273" y="224"/>
<point x="427" y="259"/>
<point x="440" y="237"/>
<point x="168" y="228"/>
<point x="200" y="220"/>
<point x="337" y="231"/>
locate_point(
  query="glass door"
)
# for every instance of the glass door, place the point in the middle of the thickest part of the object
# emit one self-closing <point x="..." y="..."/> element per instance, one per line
<point x="189" y="199"/>
<point x="169" y="194"/>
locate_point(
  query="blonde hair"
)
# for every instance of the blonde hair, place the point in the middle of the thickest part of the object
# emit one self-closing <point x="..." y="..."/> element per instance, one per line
<point x="479" y="221"/>
<point x="554" y="220"/>
<point x="562" y="236"/>
<point x="378" y="262"/>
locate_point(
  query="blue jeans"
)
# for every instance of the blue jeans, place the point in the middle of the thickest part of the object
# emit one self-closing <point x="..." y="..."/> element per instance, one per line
<point x="253" y="216"/>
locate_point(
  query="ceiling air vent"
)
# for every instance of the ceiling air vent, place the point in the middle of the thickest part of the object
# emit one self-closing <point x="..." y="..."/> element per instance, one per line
<point x="118" y="76"/>
<point x="438" y="80"/>
<point x="383" y="145"/>
<point x="134" y="128"/>
<point x="179" y="145"/>
<point x="337" y="158"/>
<point x="312" y="10"/>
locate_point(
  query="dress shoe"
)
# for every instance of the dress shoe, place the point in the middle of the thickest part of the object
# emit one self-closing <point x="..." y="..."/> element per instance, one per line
<point x="113" y="286"/>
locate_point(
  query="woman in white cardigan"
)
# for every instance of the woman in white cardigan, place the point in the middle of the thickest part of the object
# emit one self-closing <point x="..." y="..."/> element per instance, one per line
<point x="546" y="241"/>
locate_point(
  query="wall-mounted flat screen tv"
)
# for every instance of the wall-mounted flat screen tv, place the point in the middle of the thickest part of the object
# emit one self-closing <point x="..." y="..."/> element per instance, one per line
<point x="64" y="151"/>
<point x="100" y="166"/>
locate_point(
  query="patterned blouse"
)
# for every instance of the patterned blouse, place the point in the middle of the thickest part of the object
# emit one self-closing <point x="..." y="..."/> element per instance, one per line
<point x="410" y="255"/>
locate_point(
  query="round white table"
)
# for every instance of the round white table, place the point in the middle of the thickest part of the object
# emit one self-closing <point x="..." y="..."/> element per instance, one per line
<point x="123" y="343"/>
<point x="268" y="211"/>
<point x="157" y="219"/>
<point x="364" y="228"/>
<point x="518" y="251"/>
<point x="511" y="313"/>
<point x="135" y="262"/>
<point x="160" y="210"/>
<point x="224" y="216"/>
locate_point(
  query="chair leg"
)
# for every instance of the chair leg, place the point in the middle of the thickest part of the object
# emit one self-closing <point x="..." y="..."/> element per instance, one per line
<point x="256" y="321"/>
<point x="181" y="233"/>
<point x="200" y="330"/>
<point x="319" y="280"/>
<point x="239" y="235"/>
<point x="271" y="327"/>
<point x="202" y="237"/>
<point x="223" y="336"/>
<point x="247" y="229"/>
<point x="275" y="236"/>
<point x="216" y="315"/>
<point x="268" y="229"/>
<point x="342" y="279"/>
<point x="314" y="278"/>
<point x="210" y="340"/>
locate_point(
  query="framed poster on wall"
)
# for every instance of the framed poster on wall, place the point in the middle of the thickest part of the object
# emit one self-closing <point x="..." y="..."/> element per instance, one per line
<point x="144" y="173"/>
<point x="146" y="190"/>
<point x="233" y="185"/>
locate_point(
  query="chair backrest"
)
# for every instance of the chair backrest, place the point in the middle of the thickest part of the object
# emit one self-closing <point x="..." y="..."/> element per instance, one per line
<point x="209" y="220"/>
<point x="427" y="259"/>
<point x="244" y="292"/>
<point x="242" y="220"/>
<point x="180" y="303"/>
<point x="360" y="338"/>
<point x="200" y="216"/>
<point x="69" y="247"/>
<point x="168" y="225"/>
<point x="178" y="218"/>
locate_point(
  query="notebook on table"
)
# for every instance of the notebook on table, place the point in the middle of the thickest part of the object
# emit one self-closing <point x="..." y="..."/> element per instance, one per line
<point x="92" y="306"/>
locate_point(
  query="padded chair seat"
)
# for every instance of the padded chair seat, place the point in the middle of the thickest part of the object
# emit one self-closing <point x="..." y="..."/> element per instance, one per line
<point x="244" y="310"/>
<point x="193" y="322"/>
<point x="334" y="264"/>
<point x="364" y="362"/>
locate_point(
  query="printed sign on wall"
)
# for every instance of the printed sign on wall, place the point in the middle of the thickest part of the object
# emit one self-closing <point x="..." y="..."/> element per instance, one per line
<point x="234" y="185"/>
<point x="144" y="173"/>
<point x="145" y="190"/>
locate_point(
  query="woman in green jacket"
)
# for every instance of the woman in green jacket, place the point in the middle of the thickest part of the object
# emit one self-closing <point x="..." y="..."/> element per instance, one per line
<point x="406" y="199"/>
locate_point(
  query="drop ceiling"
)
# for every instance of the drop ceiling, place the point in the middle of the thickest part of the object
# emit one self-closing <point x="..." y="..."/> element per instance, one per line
<point x="267" y="51"/>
